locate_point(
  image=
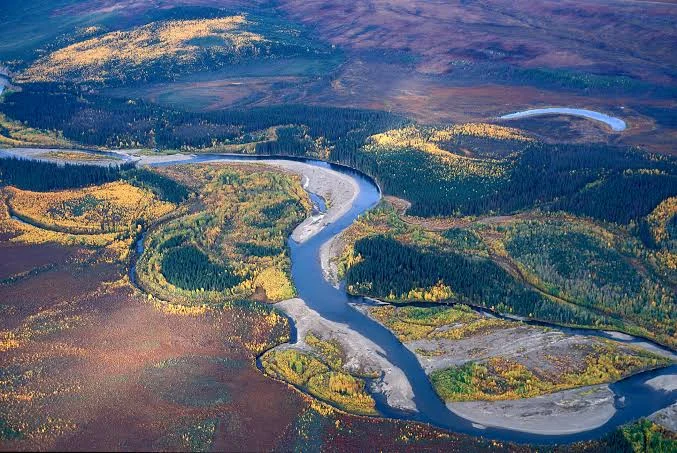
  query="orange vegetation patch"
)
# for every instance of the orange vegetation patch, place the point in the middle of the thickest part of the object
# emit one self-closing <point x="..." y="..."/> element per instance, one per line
<point x="99" y="367"/>
<point x="19" y="258"/>
<point x="107" y="208"/>
<point x="93" y="59"/>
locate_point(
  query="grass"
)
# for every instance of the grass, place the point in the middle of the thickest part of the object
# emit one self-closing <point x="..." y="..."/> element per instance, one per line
<point x="305" y="371"/>
<point x="501" y="378"/>
<point x="417" y="323"/>
<point x="191" y="381"/>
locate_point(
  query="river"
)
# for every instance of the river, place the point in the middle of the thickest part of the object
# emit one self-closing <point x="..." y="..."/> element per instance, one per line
<point x="616" y="124"/>
<point x="634" y="399"/>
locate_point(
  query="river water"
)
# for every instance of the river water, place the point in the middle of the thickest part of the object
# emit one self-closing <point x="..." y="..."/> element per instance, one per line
<point x="616" y="124"/>
<point x="634" y="399"/>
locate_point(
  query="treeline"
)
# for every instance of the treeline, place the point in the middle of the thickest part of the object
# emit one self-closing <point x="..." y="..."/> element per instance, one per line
<point x="187" y="267"/>
<point x="605" y="182"/>
<point x="621" y="198"/>
<point x="390" y="267"/>
<point x="163" y="187"/>
<point x="112" y="122"/>
<point x="43" y="176"/>
<point x="601" y="181"/>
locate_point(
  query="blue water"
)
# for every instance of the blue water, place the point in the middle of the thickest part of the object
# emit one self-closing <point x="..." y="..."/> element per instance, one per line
<point x="638" y="399"/>
<point x="616" y="124"/>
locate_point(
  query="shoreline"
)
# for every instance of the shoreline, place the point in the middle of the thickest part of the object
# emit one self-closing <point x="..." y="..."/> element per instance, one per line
<point x="362" y="354"/>
<point x="567" y="412"/>
<point x="338" y="190"/>
<point x="330" y="251"/>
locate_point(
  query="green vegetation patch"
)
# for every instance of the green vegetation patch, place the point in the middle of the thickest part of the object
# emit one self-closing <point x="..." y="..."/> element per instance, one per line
<point x="330" y="350"/>
<point x="230" y="241"/>
<point x="464" y="240"/>
<point x="643" y="436"/>
<point x="501" y="378"/>
<point x="75" y="207"/>
<point x="197" y="437"/>
<point x="293" y="366"/>
<point x="332" y="385"/>
<point x="344" y="390"/>
<point x="574" y="262"/>
<point x="45" y="176"/>
<point x="189" y="268"/>
<point x="387" y="267"/>
<point x="164" y="188"/>
<point x="418" y="323"/>
<point x="7" y="432"/>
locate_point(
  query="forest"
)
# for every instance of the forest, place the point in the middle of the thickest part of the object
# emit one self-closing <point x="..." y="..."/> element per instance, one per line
<point x="601" y="181"/>
<point x="45" y="176"/>
<point x="388" y="267"/>
<point x="189" y="268"/>
<point x="584" y="267"/>
<point x="605" y="182"/>
<point x="163" y="187"/>
<point x="93" y="119"/>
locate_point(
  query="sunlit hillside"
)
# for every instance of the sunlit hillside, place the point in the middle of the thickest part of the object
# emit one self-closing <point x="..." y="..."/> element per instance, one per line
<point x="179" y="42"/>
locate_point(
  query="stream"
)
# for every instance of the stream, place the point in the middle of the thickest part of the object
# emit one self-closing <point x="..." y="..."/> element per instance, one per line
<point x="634" y="399"/>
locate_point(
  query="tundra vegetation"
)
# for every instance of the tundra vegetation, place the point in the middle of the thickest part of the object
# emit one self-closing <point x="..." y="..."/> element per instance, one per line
<point x="179" y="44"/>
<point x="552" y="267"/>
<point x="230" y="241"/>
<point x="483" y="200"/>
<point x="107" y="217"/>
<point x="501" y="378"/>
<point x="320" y="372"/>
<point x="509" y="375"/>
<point x="471" y="169"/>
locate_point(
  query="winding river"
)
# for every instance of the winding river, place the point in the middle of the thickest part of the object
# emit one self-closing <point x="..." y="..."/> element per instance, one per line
<point x="616" y="124"/>
<point x="634" y="399"/>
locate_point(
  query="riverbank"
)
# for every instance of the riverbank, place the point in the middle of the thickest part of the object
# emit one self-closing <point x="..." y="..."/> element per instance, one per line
<point x="569" y="412"/>
<point x="327" y="310"/>
<point x="330" y="252"/>
<point x="363" y="356"/>
<point x="338" y="190"/>
<point x="546" y="358"/>
<point x="70" y="156"/>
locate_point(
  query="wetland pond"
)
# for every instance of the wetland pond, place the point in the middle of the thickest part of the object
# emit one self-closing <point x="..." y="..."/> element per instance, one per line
<point x="616" y="124"/>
